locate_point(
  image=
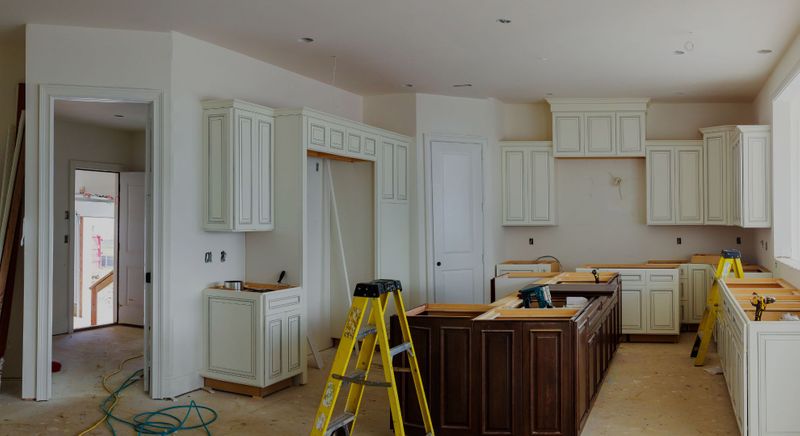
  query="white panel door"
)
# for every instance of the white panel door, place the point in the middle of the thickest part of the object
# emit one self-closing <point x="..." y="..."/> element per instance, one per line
<point x="600" y="133"/>
<point x="457" y="196"/>
<point x="689" y="189"/>
<point x="660" y="207"/>
<point x="130" y="262"/>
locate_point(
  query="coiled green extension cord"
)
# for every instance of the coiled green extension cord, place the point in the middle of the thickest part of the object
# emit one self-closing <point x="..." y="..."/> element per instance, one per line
<point x="159" y="422"/>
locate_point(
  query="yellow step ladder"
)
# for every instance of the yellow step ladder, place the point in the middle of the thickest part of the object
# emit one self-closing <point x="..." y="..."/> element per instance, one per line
<point x="374" y="294"/>
<point x="730" y="259"/>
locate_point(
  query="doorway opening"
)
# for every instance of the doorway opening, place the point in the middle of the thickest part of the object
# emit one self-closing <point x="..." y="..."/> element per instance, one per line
<point x="94" y="249"/>
<point x="100" y="204"/>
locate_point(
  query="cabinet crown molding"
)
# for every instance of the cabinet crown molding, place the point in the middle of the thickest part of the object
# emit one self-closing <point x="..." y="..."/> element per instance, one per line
<point x="740" y="127"/>
<point x="237" y="104"/>
<point x="674" y="142"/>
<point x="306" y="111"/>
<point x="597" y="104"/>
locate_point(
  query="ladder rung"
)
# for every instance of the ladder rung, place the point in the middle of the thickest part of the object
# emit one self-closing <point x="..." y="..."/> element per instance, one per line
<point x="405" y="346"/>
<point x="358" y="377"/>
<point x="368" y="330"/>
<point x="339" y="422"/>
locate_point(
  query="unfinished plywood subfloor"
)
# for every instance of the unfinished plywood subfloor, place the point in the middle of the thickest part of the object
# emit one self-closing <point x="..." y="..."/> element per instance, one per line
<point x="651" y="389"/>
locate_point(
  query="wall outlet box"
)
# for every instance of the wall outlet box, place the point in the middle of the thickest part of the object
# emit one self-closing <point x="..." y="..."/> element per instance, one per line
<point x="530" y="241"/>
<point x="679" y="241"/>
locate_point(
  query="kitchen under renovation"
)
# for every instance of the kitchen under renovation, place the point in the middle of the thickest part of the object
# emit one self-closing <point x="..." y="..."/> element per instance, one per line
<point x="353" y="217"/>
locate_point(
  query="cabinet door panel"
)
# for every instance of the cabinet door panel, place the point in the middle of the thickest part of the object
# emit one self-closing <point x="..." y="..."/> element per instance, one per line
<point x="294" y="343"/>
<point x="567" y="133"/>
<point x="275" y="333"/>
<point x="660" y="185"/>
<point x="757" y="205"/>
<point x="541" y="189"/>
<point x="218" y="162"/>
<point x="633" y="300"/>
<point x="499" y="379"/>
<point x="231" y="338"/>
<point x="700" y="285"/>
<point x="514" y="185"/>
<point x="337" y="136"/>
<point x="715" y="186"/>
<point x="264" y="169"/>
<point x="662" y="312"/>
<point x="689" y="180"/>
<point x="600" y="133"/>
<point x="246" y="150"/>
<point x="401" y="168"/>
<point x="387" y="170"/>
<point x="354" y="140"/>
<point x="630" y="133"/>
<point x="317" y="133"/>
<point x="370" y="145"/>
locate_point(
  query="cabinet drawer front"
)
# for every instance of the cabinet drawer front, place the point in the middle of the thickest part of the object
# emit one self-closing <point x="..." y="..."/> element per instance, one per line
<point x="284" y="302"/>
<point x="317" y="133"/>
<point x="633" y="276"/>
<point x="661" y="276"/>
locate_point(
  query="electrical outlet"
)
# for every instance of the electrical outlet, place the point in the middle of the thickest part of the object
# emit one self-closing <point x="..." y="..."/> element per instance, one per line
<point x="207" y="257"/>
<point x="530" y="241"/>
<point x="679" y="241"/>
<point x="738" y="240"/>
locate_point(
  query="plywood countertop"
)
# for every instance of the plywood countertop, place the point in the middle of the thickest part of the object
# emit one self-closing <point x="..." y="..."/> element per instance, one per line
<point x="632" y="265"/>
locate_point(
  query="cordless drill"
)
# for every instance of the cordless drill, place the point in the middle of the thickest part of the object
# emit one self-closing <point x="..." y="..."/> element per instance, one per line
<point x="760" y="303"/>
<point x="539" y="293"/>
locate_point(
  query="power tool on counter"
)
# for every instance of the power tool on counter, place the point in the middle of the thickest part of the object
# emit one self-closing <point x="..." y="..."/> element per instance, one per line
<point x="540" y="294"/>
<point x="760" y="303"/>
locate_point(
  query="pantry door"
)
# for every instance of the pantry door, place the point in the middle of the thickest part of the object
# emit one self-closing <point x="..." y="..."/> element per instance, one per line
<point x="457" y="204"/>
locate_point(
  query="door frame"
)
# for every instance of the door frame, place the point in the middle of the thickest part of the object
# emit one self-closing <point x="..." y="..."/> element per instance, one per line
<point x="87" y="166"/>
<point x="38" y="231"/>
<point x="427" y="141"/>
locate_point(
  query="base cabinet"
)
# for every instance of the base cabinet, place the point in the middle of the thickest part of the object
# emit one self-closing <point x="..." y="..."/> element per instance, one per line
<point x="254" y="338"/>
<point x="509" y="377"/>
<point x="651" y="299"/>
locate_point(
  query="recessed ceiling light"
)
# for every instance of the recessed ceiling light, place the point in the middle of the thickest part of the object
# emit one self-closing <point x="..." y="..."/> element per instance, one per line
<point x="305" y="39"/>
<point x="764" y="51"/>
<point x="542" y="58"/>
<point x="119" y="116"/>
<point x="679" y="52"/>
<point x="503" y="20"/>
<point x="409" y="85"/>
<point x="462" y="85"/>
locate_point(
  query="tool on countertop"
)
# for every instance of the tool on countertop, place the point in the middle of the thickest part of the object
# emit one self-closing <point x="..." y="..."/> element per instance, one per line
<point x="596" y="276"/>
<point x="730" y="259"/>
<point x="539" y="293"/>
<point x="370" y="297"/>
<point x="760" y="303"/>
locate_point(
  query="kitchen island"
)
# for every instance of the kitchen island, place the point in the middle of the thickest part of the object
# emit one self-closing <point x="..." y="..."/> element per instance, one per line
<point x="504" y="370"/>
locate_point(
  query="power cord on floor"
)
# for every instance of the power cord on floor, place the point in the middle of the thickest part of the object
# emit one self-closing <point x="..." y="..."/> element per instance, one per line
<point x="158" y="422"/>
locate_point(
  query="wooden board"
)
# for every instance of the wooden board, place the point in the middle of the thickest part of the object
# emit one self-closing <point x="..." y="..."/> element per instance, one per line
<point x="253" y="391"/>
<point x="554" y="266"/>
<point x="711" y="259"/>
<point x="632" y="265"/>
<point x="754" y="283"/>
<point x="535" y="313"/>
<point x="323" y="155"/>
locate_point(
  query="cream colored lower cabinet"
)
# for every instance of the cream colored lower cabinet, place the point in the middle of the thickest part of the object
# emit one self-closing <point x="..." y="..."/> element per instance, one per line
<point x="651" y="301"/>
<point x="254" y="338"/>
<point x="528" y="178"/>
<point x="759" y="360"/>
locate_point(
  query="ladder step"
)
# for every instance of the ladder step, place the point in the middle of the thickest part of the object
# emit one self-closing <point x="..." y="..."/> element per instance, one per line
<point x="358" y="377"/>
<point x="367" y="331"/>
<point x="394" y="351"/>
<point x="339" y="422"/>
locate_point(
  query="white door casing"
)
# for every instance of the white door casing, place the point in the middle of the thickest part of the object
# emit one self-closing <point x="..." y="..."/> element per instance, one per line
<point x="129" y="277"/>
<point x="457" y="221"/>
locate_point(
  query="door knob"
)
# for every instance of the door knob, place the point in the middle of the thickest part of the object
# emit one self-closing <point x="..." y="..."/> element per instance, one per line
<point x="438" y="263"/>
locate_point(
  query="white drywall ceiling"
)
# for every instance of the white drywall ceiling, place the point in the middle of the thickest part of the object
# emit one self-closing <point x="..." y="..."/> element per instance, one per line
<point x="124" y="116"/>
<point x="567" y="47"/>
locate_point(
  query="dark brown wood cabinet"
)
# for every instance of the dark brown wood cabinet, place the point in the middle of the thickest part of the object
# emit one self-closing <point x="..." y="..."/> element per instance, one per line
<point x="510" y="376"/>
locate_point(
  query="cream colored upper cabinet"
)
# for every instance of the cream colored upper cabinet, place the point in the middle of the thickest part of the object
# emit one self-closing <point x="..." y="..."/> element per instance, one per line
<point x="238" y="166"/>
<point x="528" y="177"/>
<point x="600" y="133"/>
<point x="630" y="135"/>
<point x="738" y="171"/>
<point x="598" y="127"/>
<point x="394" y="170"/>
<point x="674" y="182"/>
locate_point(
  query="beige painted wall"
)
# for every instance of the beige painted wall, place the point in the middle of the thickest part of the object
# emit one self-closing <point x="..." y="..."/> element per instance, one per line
<point x="81" y="142"/>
